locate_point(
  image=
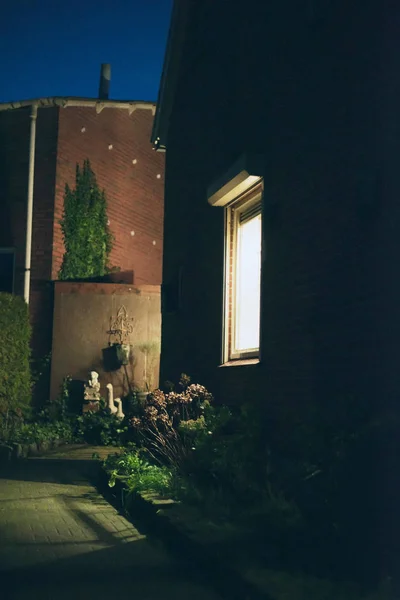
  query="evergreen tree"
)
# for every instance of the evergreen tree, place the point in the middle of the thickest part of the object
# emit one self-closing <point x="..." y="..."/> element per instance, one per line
<point x="87" y="238"/>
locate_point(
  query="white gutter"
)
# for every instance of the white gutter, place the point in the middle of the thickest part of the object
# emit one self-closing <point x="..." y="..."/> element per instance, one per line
<point x="29" y="212"/>
<point x="99" y="105"/>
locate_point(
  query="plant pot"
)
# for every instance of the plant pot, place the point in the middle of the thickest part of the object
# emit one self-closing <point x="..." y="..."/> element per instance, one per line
<point x="91" y="406"/>
<point x="112" y="358"/>
<point x="123" y="353"/>
<point x="142" y="396"/>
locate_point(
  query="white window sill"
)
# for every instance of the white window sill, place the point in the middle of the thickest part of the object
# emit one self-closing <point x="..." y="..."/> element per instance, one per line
<point x="242" y="362"/>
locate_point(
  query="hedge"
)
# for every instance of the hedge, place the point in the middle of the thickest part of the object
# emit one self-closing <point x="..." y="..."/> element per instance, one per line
<point x="15" y="374"/>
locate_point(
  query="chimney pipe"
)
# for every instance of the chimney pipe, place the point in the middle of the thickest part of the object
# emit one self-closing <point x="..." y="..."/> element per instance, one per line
<point x="105" y="76"/>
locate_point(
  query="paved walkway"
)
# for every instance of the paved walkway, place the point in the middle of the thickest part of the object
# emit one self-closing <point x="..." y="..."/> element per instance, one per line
<point x="60" y="539"/>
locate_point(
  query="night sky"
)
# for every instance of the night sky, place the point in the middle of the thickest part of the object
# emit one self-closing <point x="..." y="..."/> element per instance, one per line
<point x="55" y="48"/>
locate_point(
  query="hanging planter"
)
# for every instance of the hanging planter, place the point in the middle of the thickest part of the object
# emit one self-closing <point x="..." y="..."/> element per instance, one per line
<point x="118" y="353"/>
<point x="123" y="353"/>
<point x="115" y="356"/>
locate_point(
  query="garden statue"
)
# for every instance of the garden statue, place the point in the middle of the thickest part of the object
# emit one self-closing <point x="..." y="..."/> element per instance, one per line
<point x="91" y="393"/>
<point x="114" y="404"/>
<point x="94" y="381"/>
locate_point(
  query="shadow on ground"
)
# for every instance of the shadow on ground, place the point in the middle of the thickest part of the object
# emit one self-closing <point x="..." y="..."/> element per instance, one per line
<point x="59" y="538"/>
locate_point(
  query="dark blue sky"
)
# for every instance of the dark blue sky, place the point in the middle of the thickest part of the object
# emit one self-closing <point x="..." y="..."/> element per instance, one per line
<point x="55" y="48"/>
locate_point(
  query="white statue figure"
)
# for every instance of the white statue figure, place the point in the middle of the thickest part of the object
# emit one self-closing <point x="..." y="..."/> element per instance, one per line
<point x="114" y="404"/>
<point x="92" y="388"/>
<point x="94" y="381"/>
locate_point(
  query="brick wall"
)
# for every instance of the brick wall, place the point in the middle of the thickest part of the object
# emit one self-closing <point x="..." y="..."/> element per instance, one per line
<point x="320" y="101"/>
<point x="307" y="111"/>
<point x="14" y="165"/>
<point x="14" y="150"/>
<point x="41" y="293"/>
<point x="128" y="173"/>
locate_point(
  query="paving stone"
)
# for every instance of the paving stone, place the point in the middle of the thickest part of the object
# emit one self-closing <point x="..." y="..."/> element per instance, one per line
<point x="60" y="539"/>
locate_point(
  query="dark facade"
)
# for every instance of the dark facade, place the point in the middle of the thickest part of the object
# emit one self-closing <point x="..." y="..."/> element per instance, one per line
<point x="290" y="83"/>
<point x="307" y="93"/>
<point x="117" y="142"/>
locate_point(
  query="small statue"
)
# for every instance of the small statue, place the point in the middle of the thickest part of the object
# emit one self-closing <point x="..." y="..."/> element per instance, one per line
<point x="94" y="381"/>
<point x="114" y="404"/>
<point x="91" y="393"/>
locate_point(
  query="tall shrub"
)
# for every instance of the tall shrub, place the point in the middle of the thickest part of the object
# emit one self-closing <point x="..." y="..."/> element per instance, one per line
<point x="87" y="236"/>
<point x="15" y="375"/>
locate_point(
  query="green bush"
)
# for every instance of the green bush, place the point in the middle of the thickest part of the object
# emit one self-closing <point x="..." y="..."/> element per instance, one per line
<point x="101" y="428"/>
<point x="137" y="473"/>
<point x="15" y="375"/>
<point x="29" y="433"/>
<point x="87" y="237"/>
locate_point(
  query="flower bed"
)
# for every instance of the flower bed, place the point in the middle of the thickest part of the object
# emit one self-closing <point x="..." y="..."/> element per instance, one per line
<point x="227" y="552"/>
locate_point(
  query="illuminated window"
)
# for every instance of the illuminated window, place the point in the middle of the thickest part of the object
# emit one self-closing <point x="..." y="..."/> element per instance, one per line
<point x="243" y="276"/>
<point x="239" y="191"/>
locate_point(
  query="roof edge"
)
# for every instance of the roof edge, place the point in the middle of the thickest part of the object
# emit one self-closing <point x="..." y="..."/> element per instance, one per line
<point x="169" y="74"/>
<point x="69" y="101"/>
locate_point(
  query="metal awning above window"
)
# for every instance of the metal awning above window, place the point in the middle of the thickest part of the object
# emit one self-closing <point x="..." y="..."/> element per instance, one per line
<point x="241" y="176"/>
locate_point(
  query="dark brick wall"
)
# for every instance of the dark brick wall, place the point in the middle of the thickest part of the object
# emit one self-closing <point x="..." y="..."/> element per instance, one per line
<point x="14" y="150"/>
<point x="41" y="293"/>
<point x="134" y="193"/>
<point x="14" y="165"/>
<point x="305" y="94"/>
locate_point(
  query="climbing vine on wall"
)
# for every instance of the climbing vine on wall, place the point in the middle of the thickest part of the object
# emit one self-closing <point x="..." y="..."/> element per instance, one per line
<point x="87" y="237"/>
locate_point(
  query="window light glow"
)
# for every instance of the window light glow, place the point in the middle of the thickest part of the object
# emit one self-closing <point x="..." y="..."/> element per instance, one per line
<point x="248" y="280"/>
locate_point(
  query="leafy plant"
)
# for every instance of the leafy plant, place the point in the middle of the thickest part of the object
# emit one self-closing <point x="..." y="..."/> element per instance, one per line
<point x="15" y="374"/>
<point x="137" y="473"/>
<point x="37" y="432"/>
<point x="101" y="428"/>
<point x="40" y="368"/>
<point x="87" y="238"/>
<point x="157" y="421"/>
<point x="59" y="409"/>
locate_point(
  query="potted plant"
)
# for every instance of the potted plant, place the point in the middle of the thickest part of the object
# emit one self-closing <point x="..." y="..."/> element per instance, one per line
<point x="115" y="356"/>
<point x="123" y="353"/>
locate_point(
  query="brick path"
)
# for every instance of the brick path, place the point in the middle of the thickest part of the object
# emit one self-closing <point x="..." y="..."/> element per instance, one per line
<point x="60" y="539"/>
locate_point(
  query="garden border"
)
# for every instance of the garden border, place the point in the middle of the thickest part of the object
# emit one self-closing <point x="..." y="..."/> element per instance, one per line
<point x="17" y="451"/>
<point x="225" y="580"/>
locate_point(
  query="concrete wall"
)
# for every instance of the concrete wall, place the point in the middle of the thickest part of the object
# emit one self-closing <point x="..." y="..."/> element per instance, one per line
<point x="82" y="313"/>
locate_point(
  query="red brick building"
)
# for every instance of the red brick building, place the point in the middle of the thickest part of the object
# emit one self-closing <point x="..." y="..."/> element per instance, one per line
<point x="115" y="137"/>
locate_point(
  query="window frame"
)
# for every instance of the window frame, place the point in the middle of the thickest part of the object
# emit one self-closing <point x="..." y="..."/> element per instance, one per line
<point x="252" y="196"/>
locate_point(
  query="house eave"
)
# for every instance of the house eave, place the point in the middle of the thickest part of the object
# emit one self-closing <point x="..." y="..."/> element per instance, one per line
<point x="169" y="75"/>
<point x="73" y="101"/>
